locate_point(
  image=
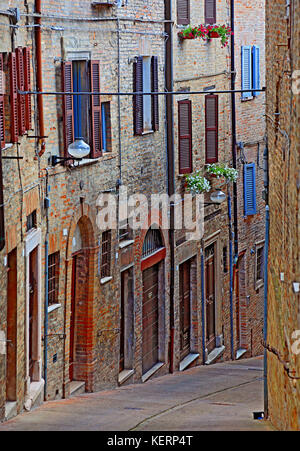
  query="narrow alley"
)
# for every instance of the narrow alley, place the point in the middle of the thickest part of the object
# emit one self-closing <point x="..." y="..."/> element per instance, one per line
<point x="219" y="397"/>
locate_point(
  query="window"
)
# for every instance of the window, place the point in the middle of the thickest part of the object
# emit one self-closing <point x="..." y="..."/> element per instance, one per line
<point x="185" y="136"/>
<point x="106" y="127"/>
<point x="211" y="128"/>
<point x="210" y="12"/>
<point x="145" y="108"/>
<point x="106" y="254"/>
<point x="225" y="260"/>
<point x="31" y="222"/>
<point x="259" y="269"/>
<point x="53" y="278"/>
<point x="82" y="114"/>
<point x="125" y="231"/>
<point x="153" y="242"/>
<point x="250" y="71"/>
<point x="250" y="189"/>
<point x="183" y="12"/>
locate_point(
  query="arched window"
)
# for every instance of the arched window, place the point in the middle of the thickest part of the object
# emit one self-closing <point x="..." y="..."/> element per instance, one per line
<point x="153" y="242"/>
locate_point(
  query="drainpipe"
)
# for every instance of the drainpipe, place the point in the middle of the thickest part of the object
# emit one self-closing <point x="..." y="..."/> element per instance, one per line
<point x="266" y="403"/>
<point x="170" y="163"/>
<point x="233" y="125"/>
<point x="231" y="273"/>
<point x="39" y="76"/>
<point x="2" y="225"/>
<point x="47" y="205"/>
<point x="203" y="304"/>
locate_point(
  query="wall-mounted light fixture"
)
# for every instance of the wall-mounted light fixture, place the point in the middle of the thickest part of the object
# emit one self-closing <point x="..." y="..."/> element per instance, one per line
<point x="78" y="150"/>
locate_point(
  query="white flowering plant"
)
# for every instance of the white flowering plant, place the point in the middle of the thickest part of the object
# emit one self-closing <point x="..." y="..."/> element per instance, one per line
<point x="197" y="184"/>
<point x="222" y="170"/>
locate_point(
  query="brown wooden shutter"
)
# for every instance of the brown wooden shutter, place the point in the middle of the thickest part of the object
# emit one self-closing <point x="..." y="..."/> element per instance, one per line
<point x="13" y="98"/>
<point x="183" y="12"/>
<point x="155" y="103"/>
<point x="210" y="12"/>
<point x="67" y="82"/>
<point x="27" y="83"/>
<point x="185" y="136"/>
<point x="96" y="109"/>
<point x="21" y="87"/>
<point x="2" y="109"/>
<point x="138" y="100"/>
<point x="211" y="128"/>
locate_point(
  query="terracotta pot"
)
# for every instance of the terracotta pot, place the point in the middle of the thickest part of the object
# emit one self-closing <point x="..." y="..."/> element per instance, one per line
<point x="214" y="34"/>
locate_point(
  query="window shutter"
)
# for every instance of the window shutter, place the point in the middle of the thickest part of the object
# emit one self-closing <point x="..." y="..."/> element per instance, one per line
<point x="68" y="106"/>
<point x="13" y="98"/>
<point x="21" y="87"/>
<point x="27" y="83"/>
<point x="211" y="128"/>
<point x="138" y="100"/>
<point x="96" y="109"/>
<point x="155" y="103"/>
<point x="183" y="12"/>
<point x="2" y="109"/>
<point x="185" y="136"/>
<point x="210" y="12"/>
<point x="256" y="69"/>
<point x="246" y="71"/>
<point x="250" y="189"/>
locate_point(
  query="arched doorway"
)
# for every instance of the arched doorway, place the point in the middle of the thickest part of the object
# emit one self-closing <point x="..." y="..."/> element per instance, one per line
<point x="82" y="318"/>
<point x="153" y="255"/>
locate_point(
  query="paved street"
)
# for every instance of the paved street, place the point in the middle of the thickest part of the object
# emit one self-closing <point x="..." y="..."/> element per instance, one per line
<point x="218" y="397"/>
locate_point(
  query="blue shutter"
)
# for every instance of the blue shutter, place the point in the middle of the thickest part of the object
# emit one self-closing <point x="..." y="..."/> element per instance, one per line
<point x="246" y="71"/>
<point x="256" y="68"/>
<point x="250" y="189"/>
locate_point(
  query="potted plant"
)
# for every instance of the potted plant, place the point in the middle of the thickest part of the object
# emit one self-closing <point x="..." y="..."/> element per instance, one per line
<point x="221" y="170"/>
<point x="193" y="32"/>
<point x="220" y="31"/>
<point x="197" y="184"/>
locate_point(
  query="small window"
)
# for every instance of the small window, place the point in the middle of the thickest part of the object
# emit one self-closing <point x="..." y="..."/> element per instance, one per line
<point x="53" y="278"/>
<point x="106" y="127"/>
<point x="225" y="260"/>
<point x="250" y="71"/>
<point x="259" y="271"/>
<point x="183" y="12"/>
<point x="125" y="232"/>
<point x="106" y="254"/>
<point x="31" y="222"/>
<point x="153" y="242"/>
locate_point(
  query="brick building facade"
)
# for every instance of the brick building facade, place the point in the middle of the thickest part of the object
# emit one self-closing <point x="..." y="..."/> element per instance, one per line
<point x="282" y="112"/>
<point x="84" y="306"/>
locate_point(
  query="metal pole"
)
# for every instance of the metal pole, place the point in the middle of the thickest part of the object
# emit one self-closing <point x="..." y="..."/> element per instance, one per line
<point x="203" y="305"/>
<point x="231" y="272"/>
<point x="266" y="403"/>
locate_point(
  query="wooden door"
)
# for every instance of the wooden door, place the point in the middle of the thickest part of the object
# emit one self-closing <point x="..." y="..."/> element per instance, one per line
<point x="210" y="298"/>
<point x="11" y="354"/>
<point x="185" y="309"/>
<point x="72" y="318"/>
<point x="32" y="309"/>
<point x="150" y="318"/>
<point x="238" y="310"/>
<point x="122" y="321"/>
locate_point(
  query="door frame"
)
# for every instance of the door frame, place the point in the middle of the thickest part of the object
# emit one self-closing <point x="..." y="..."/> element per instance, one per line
<point x="33" y="242"/>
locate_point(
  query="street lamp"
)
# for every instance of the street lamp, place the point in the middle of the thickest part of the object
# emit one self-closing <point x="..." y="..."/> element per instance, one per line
<point x="217" y="198"/>
<point x="78" y="150"/>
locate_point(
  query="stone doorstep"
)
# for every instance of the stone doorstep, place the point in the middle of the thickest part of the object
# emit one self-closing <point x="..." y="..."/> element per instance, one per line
<point x="10" y="410"/>
<point x="77" y="388"/>
<point x="186" y="362"/>
<point x="36" y="395"/>
<point x="214" y="355"/>
<point x="124" y="376"/>
<point x="240" y="353"/>
<point x="152" y="371"/>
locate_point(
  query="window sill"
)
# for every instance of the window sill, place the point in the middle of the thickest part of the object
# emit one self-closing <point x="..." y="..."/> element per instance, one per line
<point x="148" y="132"/>
<point x="53" y="307"/>
<point x="105" y="280"/>
<point x="247" y="99"/>
<point x="214" y="355"/>
<point x="187" y="361"/>
<point x="126" y="243"/>
<point x="259" y="284"/>
<point x="124" y="376"/>
<point x="152" y="371"/>
<point x="7" y="146"/>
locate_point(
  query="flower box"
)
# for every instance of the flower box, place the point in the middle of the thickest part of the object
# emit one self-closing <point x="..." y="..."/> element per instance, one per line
<point x="214" y="34"/>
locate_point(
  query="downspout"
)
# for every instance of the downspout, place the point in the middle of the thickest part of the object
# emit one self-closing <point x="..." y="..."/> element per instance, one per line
<point x="47" y="205"/>
<point x="266" y="403"/>
<point x="39" y="76"/>
<point x="233" y="126"/>
<point x="2" y="222"/>
<point x="203" y="305"/>
<point x="170" y="163"/>
<point x="231" y="273"/>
